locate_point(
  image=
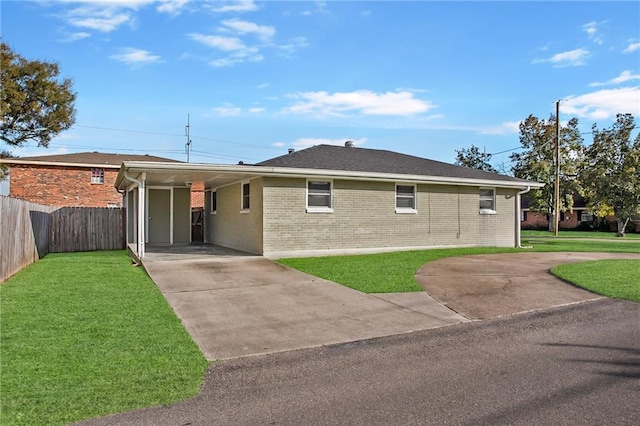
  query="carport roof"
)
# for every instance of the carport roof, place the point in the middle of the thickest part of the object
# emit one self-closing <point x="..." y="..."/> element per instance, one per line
<point x="321" y="161"/>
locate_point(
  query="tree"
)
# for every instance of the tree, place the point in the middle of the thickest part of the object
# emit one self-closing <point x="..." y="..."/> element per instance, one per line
<point x="537" y="162"/>
<point x="34" y="104"/>
<point x="475" y="159"/>
<point x="610" y="173"/>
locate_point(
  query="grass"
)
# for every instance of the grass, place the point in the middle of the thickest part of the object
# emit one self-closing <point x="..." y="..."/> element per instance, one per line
<point x="580" y="234"/>
<point x="617" y="278"/>
<point x="88" y="334"/>
<point x="393" y="272"/>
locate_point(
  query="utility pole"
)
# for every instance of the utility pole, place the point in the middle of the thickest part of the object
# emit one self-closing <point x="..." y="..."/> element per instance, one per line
<point x="187" y="147"/>
<point x="556" y="201"/>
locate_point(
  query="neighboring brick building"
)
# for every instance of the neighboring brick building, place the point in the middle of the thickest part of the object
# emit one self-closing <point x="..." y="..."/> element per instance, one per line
<point x="83" y="179"/>
<point x="568" y="220"/>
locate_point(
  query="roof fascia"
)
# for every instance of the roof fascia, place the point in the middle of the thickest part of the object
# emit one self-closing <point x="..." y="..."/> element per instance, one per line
<point x="9" y="161"/>
<point x="143" y="166"/>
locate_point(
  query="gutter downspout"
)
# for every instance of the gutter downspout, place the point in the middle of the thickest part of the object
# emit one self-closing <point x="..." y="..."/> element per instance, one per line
<point x="517" y="221"/>
<point x="141" y="217"/>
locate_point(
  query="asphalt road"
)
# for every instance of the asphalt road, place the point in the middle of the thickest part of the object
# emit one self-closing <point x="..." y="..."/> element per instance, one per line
<point x="573" y="365"/>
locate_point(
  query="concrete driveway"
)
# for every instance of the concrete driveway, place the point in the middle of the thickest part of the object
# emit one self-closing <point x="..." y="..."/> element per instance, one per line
<point x="494" y="285"/>
<point x="234" y="304"/>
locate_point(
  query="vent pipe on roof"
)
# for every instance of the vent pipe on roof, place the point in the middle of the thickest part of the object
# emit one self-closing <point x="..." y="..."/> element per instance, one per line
<point x="291" y="150"/>
<point x="349" y="144"/>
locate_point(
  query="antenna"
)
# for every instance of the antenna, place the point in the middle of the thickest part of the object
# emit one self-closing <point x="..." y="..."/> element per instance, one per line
<point x="187" y="147"/>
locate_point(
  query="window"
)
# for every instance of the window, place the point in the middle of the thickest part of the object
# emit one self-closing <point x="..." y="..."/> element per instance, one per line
<point x="584" y="216"/>
<point x="405" y="198"/>
<point x="487" y="200"/>
<point x="97" y="176"/>
<point x="319" y="197"/>
<point x="214" y="201"/>
<point x="523" y="216"/>
<point x="245" y="196"/>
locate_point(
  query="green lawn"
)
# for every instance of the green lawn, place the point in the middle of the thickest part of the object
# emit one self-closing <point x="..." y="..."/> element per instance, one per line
<point x="88" y="334"/>
<point x="618" y="278"/>
<point x="393" y="272"/>
<point x="580" y="234"/>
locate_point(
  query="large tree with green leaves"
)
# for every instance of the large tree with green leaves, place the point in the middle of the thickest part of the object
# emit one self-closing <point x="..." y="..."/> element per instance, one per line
<point x="537" y="162"/>
<point x="610" y="172"/>
<point x="475" y="159"/>
<point x="35" y="104"/>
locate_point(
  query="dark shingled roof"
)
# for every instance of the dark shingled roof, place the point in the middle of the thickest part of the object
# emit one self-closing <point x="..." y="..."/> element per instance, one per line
<point x="330" y="157"/>
<point x="94" y="158"/>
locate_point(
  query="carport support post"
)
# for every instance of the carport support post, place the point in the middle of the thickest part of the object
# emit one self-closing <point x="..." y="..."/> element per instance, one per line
<point x="141" y="215"/>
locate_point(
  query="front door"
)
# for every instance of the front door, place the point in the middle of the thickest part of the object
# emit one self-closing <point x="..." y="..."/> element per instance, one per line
<point x="159" y="215"/>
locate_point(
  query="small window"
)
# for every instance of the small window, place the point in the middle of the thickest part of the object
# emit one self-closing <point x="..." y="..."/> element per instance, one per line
<point x="487" y="200"/>
<point x="214" y="201"/>
<point x="405" y="198"/>
<point x="584" y="216"/>
<point x="523" y="216"/>
<point x="319" y="197"/>
<point x="97" y="176"/>
<point x="245" y="196"/>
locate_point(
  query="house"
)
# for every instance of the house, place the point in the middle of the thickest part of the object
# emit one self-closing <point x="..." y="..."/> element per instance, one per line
<point x="324" y="200"/>
<point x="580" y="214"/>
<point x="83" y="179"/>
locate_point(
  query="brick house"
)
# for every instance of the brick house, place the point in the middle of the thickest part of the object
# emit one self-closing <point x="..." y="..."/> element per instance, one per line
<point x="325" y="200"/>
<point x="83" y="179"/>
<point x="568" y="220"/>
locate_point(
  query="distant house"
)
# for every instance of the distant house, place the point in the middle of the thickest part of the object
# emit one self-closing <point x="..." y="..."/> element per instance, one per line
<point x="70" y="180"/>
<point x="325" y="200"/>
<point x="568" y="220"/>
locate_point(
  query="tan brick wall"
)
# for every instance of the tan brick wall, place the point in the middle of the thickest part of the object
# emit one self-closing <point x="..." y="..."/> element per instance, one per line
<point x="364" y="218"/>
<point x="63" y="186"/>
<point x="230" y="227"/>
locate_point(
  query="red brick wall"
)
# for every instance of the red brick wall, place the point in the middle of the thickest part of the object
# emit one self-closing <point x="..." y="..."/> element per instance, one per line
<point x="63" y="186"/>
<point x="539" y="220"/>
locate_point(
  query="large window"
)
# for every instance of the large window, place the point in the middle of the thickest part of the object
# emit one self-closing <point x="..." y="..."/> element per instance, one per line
<point x="487" y="200"/>
<point x="319" y="197"/>
<point x="245" y="196"/>
<point x="97" y="176"/>
<point x="405" y="198"/>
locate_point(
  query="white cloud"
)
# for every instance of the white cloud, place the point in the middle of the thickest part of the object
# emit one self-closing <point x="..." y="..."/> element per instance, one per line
<point x="303" y="143"/>
<point x="245" y="27"/>
<point x="505" y="128"/>
<point x="633" y="46"/>
<point x="228" y="110"/>
<point x="622" y="78"/>
<point x="172" y="7"/>
<point x="361" y="101"/>
<point x="233" y="6"/>
<point x="102" y="15"/>
<point x="263" y="85"/>
<point x="592" y="31"/>
<point x="570" y="58"/>
<point x="104" y="24"/>
<point x="75" y="37"/>
<point x="219" y="42"/>
<point x="130" y="55"/>
<point x="256" y="110"/>
<point x="293" y="45"/>
<point x="603" y="104"/>
<point x="239" y="52"/>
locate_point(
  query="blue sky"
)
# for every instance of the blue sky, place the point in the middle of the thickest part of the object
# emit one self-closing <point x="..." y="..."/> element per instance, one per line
<point x="256" y="78"/>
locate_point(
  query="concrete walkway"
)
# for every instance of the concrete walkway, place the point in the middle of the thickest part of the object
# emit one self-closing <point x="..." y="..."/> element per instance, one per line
<point x="234" y="304"/>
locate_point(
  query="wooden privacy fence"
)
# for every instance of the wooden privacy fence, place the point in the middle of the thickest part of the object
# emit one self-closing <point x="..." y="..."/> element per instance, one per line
<point x="28" y="231"/>
<point x="86" y="229"/>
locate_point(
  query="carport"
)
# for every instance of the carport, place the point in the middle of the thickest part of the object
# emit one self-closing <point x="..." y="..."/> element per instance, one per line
<point x="157" y="198"/>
